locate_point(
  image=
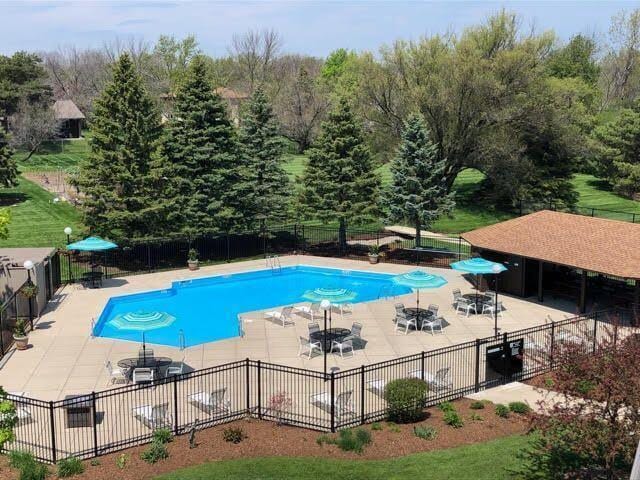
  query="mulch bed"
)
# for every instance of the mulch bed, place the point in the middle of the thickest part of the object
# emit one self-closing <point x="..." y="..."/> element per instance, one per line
<point x="544" y="381"/>
<point x="266" y="439"/>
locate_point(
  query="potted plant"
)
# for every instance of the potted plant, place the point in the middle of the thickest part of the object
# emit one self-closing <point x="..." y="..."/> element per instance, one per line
<point x="374" y="254"/>
<point x="20" y="334"/>
<point x="193" y="259"/>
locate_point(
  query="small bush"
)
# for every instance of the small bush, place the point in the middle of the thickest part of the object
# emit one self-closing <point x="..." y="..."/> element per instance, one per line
<point x="476" y="418"/>
<point x="548" y="382"/>
<point x="477" y="405"/>
<point x="157" y="451"/>
<point x="122" y="460"/>
<point x="376" y="426"/>
<point x="393" y="427"/>
<point x="519" y="407"/>
<point x="324" y="439"/>
<point x="502" y="410"/>
<point x="452" y="419"/>
<point x="94" y="462"/>
<point x="70" y="466"/>
<point x="162" y="435"/>
<point x="26" y="464"/>
<point x="447" y="407"/>
<point x="353" y="440"/>
<point x="426" y="433"/>
<point x="233" y="435"/>
<point x="405" y="399"/>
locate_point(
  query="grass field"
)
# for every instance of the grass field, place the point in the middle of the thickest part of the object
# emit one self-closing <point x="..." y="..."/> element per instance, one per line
<point x="35" y="220"/>
<point x="54" y="156"/>
<point x="486" y="461"/>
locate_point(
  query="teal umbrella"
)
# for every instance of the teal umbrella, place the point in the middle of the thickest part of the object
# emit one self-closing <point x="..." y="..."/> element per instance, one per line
<point x="142" y="321"/>
<point x="418" y="280"/>
<point x="92" y="244"/>
<point x="333" y="295"/>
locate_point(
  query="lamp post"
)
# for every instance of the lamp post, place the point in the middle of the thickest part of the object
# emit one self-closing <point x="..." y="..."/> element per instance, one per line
<point x="28" y="265"/>
<point x="326" y="306"/>
<point x="68" y="232"/>
<point x="496" y="271"/>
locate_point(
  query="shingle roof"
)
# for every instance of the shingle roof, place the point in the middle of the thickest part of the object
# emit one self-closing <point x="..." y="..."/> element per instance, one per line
<point x="230" y="94"/>
<point x="66" y="110"/>
<point x="596" y="244"/>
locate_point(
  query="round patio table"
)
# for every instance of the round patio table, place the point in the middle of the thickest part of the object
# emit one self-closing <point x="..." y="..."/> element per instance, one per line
<point x="420" y="314"/>
<point x="330" y="335"/>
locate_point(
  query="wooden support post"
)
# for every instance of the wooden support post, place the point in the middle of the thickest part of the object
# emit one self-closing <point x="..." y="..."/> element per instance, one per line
<point x="582" y="305"/>
<point x="636" y="303"/>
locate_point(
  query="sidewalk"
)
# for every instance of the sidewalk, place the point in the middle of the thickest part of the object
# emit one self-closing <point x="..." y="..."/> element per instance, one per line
<point x="517" y="392"/>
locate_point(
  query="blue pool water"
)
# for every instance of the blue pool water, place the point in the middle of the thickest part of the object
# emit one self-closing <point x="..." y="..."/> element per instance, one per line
<point x="206" y="309"/>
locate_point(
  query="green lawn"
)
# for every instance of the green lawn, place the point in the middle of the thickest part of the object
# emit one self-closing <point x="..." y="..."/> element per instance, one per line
<point x="485" y="461"/>
<point x="35" y="220"/>
<point x="54" y="156"/>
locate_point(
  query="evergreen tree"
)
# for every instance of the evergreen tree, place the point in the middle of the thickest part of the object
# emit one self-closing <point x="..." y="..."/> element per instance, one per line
<point x="340" y="182"/>
<point x="418" y="192"/>
<point x="201" y="150"/>
<point x="8" y="168"/>
<point x="264" y="182"/>
<point x="116" y="177"/>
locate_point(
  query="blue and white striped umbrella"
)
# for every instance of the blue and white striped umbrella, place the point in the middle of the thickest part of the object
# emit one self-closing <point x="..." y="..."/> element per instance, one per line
<point x="478" y="266"/>
<point x="333" y="295"/>
<point x="418" y="280"/>
<point x="142" y="321"/>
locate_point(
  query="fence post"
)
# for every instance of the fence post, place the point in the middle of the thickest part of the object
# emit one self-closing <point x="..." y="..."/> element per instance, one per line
<point x="477" y="386"/>
<point x="247" y="380"/>
<point x="459" y="247"/>
<point x="259" y="391"/>
<point x="422" y="365"/>
<point x="553" y="343"/>
<point x="505" y="375"/>
<point x="228" y="248"/>
<point x="95" y="423"/>
<point x="175" y="403"/>
<point x="362" y="416"/>
<point x="54" y="456"/>
<point x="633" y="218"/>
<point x="333" y="401"/>
<point x="295" y="237"/>
<point x="595" y="331"/>
<point x="304" y="240"/>
<point x="149" y="268"/>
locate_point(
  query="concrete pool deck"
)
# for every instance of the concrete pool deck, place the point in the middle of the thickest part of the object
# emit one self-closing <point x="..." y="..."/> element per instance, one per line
<point x="64" y="359"/>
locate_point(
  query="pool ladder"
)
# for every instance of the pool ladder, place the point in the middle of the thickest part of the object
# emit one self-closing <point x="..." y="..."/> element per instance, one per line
<point x="182" y="344"/>
<point x="273" y="262"/>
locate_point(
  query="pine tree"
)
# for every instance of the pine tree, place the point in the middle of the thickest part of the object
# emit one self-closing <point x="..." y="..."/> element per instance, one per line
<point x="201" y="149"/>
<point x="119" y="194"/>
<point x="340" y="182"/>
<point x="264" y="182"/>
<point x="418" y="192"/>
<point x="8" y="168"/>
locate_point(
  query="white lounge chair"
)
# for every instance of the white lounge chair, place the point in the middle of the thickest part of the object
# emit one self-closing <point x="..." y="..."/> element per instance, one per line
<point x="404" y="322"/>
<point x="308" y="310"/>
<point x="307" y="347"/>
<point x="439" y="381"/>
<point x="432" y="325"/>
<point x="175" y="369"/>
<point x="212" y="402"/>
<point x="490" y="309"/>
<point x="343" y="404"/>
<point x="466" y="306"/>
<point x="116" y="374"/>
<point x="377" y="386"/>
<point x="343" y="345"/>
<point x="23" y="414"/>
<point x="153" y="416"/>
<point x="143" y="375"/>
<point x="342" y="308"/>
<point x="457" y="295"/>
<point x="313" y="328"/>
<point x="433" y="309"/>
<point x="283" y="317"/>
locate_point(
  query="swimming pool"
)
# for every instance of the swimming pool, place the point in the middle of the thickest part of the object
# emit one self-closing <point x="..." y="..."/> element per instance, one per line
<point x="207" y="309"/>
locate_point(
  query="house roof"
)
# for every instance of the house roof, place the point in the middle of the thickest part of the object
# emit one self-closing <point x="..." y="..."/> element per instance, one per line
<point x="230" y="94"/>
<point x="67" y="110"/>
<point x="595" y="244"/>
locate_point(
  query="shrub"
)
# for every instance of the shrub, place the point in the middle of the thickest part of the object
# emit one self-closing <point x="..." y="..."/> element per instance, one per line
<point x="477" y="405"/>
<point x="157" y="451"/>
<point x="353" y="440"/>
<point x="405" y="399"/>
<point x="393" y="427"/>
<point x="26" y="464"/>
<point x="162" y="435"/>
<point x="70" y="466"/>
<point x="426" y="433"/>
<point x="476" y="418"/>
<point x="94" y="462"/>
<point x="502" y="410"/>
<point x="233" y="435"/>
<point x="122" y="460"/>
<point x="519" y="407"/>
<point x="447" y="407"/>
<point x="324" y="439"/>
<point x="376" y="426"/>
<point x="549" y="383"/>
<point x="452" y="419"/>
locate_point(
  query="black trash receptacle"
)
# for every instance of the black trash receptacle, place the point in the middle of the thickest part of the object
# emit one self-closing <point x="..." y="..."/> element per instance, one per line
<point x="504" y="360"/>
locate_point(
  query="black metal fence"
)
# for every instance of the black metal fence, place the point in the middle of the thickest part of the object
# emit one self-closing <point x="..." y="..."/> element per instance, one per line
<point x="14" y="307"/>
<point x="151" y="255"/>
<point x="106" y="421"/>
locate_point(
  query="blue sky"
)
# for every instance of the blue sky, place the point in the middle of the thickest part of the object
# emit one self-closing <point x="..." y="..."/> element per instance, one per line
<point x="313" y="27"/>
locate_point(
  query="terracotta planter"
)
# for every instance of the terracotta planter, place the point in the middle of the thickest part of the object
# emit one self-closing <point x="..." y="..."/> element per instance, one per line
<point x="373" y="259"/>
<point x="193" y="264"/>
<point x="21" y="342"/>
